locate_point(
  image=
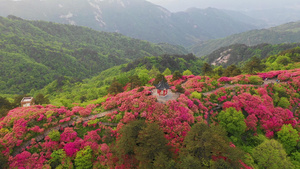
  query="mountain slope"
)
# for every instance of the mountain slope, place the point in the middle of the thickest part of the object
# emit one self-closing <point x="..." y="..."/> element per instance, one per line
<point x="34" y="53"/>
<point x="287" y="33"/>
<point x="238" y="54"/>
<point x="135" y="18"/>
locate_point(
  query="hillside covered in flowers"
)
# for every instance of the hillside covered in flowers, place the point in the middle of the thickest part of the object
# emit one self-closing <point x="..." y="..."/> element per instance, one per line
<point x="245" y="121"/>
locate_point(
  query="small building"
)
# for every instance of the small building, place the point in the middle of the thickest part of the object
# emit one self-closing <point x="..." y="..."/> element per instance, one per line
<point x="27" y="101"/>
<point x="162" y="88"/>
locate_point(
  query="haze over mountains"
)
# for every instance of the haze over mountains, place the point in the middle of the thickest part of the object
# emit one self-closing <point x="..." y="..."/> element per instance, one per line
<point x="136" y="18"/>
<point x="286" y="33"/>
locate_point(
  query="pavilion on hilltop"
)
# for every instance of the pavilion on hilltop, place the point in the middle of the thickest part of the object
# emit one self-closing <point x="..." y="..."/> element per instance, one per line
<point x="162" y="88"/>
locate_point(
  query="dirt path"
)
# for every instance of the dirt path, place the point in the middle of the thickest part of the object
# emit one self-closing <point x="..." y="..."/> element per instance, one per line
<point x="64" y="125"/>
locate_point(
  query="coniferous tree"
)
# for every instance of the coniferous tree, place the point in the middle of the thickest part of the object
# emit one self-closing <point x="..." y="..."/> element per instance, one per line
<point x="41" y="99"/>
<point x="253" y="65"/>
<point x="159" y="78"/>
<point x="176" y="75"/>
<point x="206" y="69"/>
<point x="115" y="87"/>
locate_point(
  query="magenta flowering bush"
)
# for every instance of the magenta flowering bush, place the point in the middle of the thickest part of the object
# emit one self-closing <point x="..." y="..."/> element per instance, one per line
<point x="258" y="103"/>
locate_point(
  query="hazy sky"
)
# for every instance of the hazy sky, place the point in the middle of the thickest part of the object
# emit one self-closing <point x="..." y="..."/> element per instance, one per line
<point x="181" y="5"/>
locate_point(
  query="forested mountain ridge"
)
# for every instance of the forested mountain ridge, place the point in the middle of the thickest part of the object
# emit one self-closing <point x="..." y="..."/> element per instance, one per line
<point x="67" y="91"/>
<point x="135" y="18"/>
<point x="34" y="53"/>
<point x="238" y="54"/>
<point x="286" y="33"/>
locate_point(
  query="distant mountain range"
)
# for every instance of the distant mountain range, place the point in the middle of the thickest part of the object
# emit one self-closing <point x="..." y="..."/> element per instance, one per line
<point x="286" y="33"/>
<point x="34" y="53"/>
<point x="135" y="18"/>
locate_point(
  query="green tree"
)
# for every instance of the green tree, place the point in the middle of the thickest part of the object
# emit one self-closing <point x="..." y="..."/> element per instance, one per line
<point x="176" y="75"/>
<point x="179" y="89"/>
<point x="159" y="78"/>
<point x="233" y="121"/>
<point x="82" y="99"/>
<point x="196" y="95"/>
<point x="128" y="141"/>
<point x="254" y="65"/>
<point x="187" y="72"/>
<point x="5" y="106"/>
<point x="203" y="142"/>
<point x="143" y="76"/>
<point x="84" y="158"/>
<point x="54" y="135"/>
<point x="151" y="143"/>
<point x="167" y="72"/>
<point x="41" y="99"/>
<point x="18" y="99"/>
<point x="59" y="159"/>
<point x="232" y="70"/>
<point x="206" y="69"/>
<point x="289" y="137"/>
<point x="283" y="102"/>
<point x="283" y="60"/>
<point x="115" y="87"/>
<point x="153" y="72"/>
<point x="271" y="154"/>
<point x="134" y="81"/>
<point x="219" y="70"/>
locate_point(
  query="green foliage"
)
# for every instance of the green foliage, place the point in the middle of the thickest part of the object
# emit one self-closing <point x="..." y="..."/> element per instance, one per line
<point x="254" y="65"/>
<point x="284" y="102"/>
<point x="231" y="70"/>
<point x="179" y="89"/>
<point x="129" y="134"/>
<point x="41" y="99"/>
<point x="187" y="72"/>
<point x="176" y="75"/>
<point x="296" y="159"/>
<point x="289" y="137"/>
<point x="35" y="53"/>
<point x="255" y="80"/>
<point x="59" y="159"/>
<point x="159" y="77"/>
<point x="140" y="89"/>
<point x="206" y="68"/>
<point x="83" y="158"/>
<point x="283" y="60"/>
<point x="3" y="159"/>
<point x="153" y="72"/>
<point x="115" y="87"/>
<point x="143" y="75"/>
<point x="202" y="142"/>
<point x="152" y="144"/>
<point x="271" y="154"/>
<point x="196" y="95"/>
<point x="165" y="62"/>
<point x="163" y="161"/>
<point x="5" y="106"/>
<point x="134" y="81"/>
<point x="167" y="72"/>
<point x="54" y="135"/>
<point x="215" y="83"/>
<point x="233" y="121"/>
<point x="190" y="162"/>
<point x="218" y="70"/>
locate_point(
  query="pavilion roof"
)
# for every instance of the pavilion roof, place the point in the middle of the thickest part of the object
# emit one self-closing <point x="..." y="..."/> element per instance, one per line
<point x="162" y="85"/>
